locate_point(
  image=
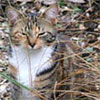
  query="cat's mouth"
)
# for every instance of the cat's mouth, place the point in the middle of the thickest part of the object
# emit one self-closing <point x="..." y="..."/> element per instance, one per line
<point x="34" y="47"/>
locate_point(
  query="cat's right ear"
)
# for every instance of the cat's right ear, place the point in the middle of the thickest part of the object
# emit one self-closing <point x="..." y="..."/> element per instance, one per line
<point x="12" y="15"/>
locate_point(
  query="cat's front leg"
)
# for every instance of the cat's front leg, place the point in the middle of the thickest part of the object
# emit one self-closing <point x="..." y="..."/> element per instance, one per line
<point x="15" y="90"/>
<point x="12" y="70"/>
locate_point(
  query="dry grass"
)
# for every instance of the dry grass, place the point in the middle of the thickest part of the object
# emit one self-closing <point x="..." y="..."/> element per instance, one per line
<point x="80" y="29"/>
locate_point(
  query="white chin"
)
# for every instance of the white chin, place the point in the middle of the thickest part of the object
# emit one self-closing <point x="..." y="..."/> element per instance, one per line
<point x="34" y="48"/>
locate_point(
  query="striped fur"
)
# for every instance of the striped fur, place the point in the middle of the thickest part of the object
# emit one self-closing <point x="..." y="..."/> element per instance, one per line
<point x="30" y="41"/>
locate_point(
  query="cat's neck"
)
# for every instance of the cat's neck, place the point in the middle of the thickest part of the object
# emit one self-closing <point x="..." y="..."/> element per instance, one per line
<point x="27" y="59"/>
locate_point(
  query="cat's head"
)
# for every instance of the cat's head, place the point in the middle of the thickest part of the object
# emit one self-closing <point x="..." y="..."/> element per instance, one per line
<point x="28" y="33"/>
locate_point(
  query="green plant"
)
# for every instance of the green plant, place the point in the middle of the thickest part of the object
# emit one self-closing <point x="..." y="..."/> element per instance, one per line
<point x="4" y="75"/>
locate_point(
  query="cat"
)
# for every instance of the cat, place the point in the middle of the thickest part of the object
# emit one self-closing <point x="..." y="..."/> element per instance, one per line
<point x="34" y="54"/>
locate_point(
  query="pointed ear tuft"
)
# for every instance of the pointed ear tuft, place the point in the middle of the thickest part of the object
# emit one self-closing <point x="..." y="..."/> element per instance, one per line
<point x="12" y="15"/>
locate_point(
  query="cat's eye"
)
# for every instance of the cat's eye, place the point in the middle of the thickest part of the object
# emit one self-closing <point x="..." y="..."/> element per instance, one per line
<point x="42" y="34"/>
<point x="23" y="33"/>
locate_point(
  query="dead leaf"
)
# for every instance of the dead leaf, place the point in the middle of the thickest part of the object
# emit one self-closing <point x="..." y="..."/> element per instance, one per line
<point x="77" y="1"/>
<point x="1" y="19"/>
<point x="24" y="0"/>
<point x="82" y="27"/>
<point x="65" y="19"/>
<point x="51" y="13"/>
<point x="48" y="2"/>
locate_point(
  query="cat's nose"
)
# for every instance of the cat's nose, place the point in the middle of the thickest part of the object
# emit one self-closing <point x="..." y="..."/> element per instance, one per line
<point x="32" y="44"/>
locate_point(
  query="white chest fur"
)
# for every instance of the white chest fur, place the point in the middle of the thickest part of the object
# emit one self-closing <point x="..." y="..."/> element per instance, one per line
<point x="30" y="62"/>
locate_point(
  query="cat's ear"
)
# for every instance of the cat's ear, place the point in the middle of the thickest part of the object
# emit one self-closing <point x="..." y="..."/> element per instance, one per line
<point x="12" y="15"/>
<point x="49" y="18"/>
<point x="51" y="13"/>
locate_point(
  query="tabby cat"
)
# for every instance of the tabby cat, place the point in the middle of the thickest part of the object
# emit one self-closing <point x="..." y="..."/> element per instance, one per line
<point x="35" y="54"/>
